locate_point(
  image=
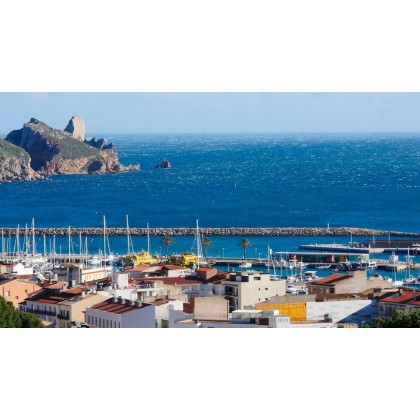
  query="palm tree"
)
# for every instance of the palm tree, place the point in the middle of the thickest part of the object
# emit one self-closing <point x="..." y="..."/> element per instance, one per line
<point x="244" y="243"/>
<point x="167" y="240"/>
<point x="205" y="243"/>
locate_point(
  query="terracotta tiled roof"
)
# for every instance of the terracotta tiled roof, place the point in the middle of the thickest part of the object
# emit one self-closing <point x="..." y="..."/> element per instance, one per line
<point x="138" y="268"/>
<point x="117" y="307"/>
<point x="178" y="281"/>
<point x="161" y="301"/>
<point x="173" y="267"/>
<point x="407" y="297"/>
<point x="331" y="280"/>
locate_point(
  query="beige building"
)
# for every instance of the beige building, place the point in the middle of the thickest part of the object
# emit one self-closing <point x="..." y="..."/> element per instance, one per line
<point x="17" y="290"/>
<point x="74" y="309"/>
<point x="211" y="308"/>
<point x="75" y="274"/>
<point x="351" y="282"/>
<point x="245" y="289"/>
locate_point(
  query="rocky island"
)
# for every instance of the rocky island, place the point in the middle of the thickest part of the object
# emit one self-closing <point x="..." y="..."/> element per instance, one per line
<point x="37" y="150"/>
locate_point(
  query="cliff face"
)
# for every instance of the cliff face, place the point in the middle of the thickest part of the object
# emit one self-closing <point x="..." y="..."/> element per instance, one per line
<point x="54" y="151"/>
<point x="15" y="164"/>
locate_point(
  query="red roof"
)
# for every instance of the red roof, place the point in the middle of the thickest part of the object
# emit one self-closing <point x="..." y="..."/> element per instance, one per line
<point x="407" y="297"/>
<point x="173" y="267"/>
<point x="117" y="307"/>
<point x="178" y="281"/>
<point x="332" y="279"/>
<point x="161" y="301"/>
<point x="138" y="268"/>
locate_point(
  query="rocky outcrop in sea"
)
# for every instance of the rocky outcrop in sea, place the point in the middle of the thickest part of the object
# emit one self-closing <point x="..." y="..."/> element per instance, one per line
<point x="15" y="164"/>
<point x="165" y="164"/>
<point x="54" y="151"/>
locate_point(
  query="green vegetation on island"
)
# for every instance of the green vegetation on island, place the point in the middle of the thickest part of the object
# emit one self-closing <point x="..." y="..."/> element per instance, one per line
<point x="8" y="149"/>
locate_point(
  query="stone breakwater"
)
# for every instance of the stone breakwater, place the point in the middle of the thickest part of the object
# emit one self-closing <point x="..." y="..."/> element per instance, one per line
<point x="230" y="231"/>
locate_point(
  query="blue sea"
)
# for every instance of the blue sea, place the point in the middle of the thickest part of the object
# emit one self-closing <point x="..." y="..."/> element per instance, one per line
<point x="363" y="180"/>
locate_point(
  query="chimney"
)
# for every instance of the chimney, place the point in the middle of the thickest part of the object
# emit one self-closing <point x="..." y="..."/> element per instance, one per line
<point x="122" y="301"/>
<point x="115" y="299"/>
<point x="139" y="304"/>
<point x="83" y="294"/>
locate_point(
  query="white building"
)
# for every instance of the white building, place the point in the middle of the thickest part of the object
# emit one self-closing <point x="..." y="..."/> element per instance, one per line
<point x="250" y="318"/>
<point x="121" y="313"/>
<point x="167" y="311"/>
<point x="20" y="270"/>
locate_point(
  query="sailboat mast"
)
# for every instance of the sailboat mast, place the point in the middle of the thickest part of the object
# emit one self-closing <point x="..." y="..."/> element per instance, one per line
<point x="128" y="235"/>
<point x="198" y="245"/>
<point x="148" y="239"/>
<point x="2" y="242"/>
<point x="33" y="236"/>
<point x="26" y="238"/>
<point x="104" y="241"/>
<point x="69" y="244"/>
<point x="80" y="247"/>
<point x="17" y="243"/>
<point x="45" y="245"/>
<point x="54" y="250"/>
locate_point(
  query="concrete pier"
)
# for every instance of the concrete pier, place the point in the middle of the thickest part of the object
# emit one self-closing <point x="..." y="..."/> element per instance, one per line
<point x="217" y="231"/>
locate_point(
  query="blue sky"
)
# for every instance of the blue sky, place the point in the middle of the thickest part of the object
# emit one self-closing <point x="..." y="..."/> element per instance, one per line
<point x="216" y="112"/>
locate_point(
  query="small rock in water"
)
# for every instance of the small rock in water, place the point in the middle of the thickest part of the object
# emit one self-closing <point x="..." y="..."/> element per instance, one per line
<point x="164" y="164"/>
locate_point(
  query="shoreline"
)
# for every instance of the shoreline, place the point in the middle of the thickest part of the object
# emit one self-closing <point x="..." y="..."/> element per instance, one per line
<point x="215" y="231"/>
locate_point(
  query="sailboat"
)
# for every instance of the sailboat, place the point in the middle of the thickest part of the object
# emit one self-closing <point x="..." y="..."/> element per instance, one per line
<point x="137" y="258"/>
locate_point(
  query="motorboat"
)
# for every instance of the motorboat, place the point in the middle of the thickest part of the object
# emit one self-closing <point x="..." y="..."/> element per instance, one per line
<point x="245" y="264"/>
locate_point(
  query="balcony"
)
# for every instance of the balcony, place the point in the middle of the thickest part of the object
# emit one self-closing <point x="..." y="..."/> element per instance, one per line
<point x="63" y="316"/>
<point x="40" y="312"/>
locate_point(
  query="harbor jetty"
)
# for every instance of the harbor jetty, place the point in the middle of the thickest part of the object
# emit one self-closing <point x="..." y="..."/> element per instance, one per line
<point x="217" y="231"/>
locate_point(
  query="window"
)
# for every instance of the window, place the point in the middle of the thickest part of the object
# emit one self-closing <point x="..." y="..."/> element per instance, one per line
<point x="7" y="293"/>
<point x="266" y="288"/>
<point x="17" y="297"/>
<point x="26" y="291"/>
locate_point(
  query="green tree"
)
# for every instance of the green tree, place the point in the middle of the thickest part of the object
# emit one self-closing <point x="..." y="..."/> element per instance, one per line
<point x="244" y="243"/>
<point x="400" y="318"/>
<point x="206" y="242"/>
<point x="167" y="240"/>
<point x="11" y="318"/>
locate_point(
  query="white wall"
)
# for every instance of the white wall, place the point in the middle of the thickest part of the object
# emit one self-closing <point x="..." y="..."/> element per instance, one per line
<point x="342" y="310"/>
